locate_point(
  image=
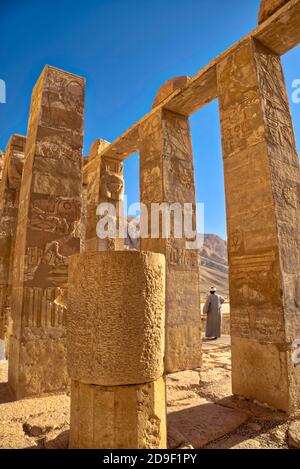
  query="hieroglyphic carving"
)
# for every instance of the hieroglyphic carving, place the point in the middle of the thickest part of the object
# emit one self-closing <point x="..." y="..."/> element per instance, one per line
<point x="178" y="151"/>
<point x="167" y="175"/>
<point x="9" y="199"/>
<point x="48" y="232"/>
<point x="104" y="179"/>
<point x="42" y="311"/>
<point x="261" y="179"/>
<point x="55" y="214"/>
<point x="182" y="258"/>
<point x="111" y="181"/>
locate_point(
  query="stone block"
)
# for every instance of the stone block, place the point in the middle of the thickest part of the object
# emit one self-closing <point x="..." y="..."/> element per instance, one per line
<point x="115" y="318"/>
<point x="106" y="417"/>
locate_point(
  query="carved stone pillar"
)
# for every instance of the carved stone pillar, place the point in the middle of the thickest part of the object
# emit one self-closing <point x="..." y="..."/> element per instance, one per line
<point x="9" y="200"/>
<point x="262" y="186"/>
<point x="167" y="175"/>
<point x="47" y="233"/>
<point x="103" y="177"/>
<point x="116" y="306"/>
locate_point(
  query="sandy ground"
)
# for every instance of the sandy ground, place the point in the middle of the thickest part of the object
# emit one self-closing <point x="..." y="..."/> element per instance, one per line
<point x="202" y="413"/>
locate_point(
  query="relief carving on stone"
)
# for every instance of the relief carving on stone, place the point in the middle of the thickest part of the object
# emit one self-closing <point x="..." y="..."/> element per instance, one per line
<point x="55" y="215"/>
<point x="111" y="180"/>
<point x="59" y="147"/>
<point x="177" y="150"/>
<point x="64" y="91"/>
<point x="275" y="101"/>
<point x="182" y="257"/>
<point x="51" y="257"/>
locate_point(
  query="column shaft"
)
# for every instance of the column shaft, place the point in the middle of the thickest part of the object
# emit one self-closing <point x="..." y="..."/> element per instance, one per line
<point x="262" y="201"/>
<point x="48" y="231"/>
<point x="167" y="175"/>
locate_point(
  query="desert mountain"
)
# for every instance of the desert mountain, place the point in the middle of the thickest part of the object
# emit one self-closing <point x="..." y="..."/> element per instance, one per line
<point x="213" y="262"/>
<point x="214" y="265"/>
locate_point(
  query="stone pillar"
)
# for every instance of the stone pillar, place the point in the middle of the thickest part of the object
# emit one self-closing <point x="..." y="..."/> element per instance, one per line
<point x="262" y="186"/>
<point x="9" y="201"/>
<point x="103" y="177"/>
<point x="115" y="324"/>
<point x="48" y="231"/>
<point x="167" y="175"/>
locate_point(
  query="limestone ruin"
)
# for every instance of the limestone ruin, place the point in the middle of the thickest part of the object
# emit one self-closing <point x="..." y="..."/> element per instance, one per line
<point x="47" y="233"/>
<point x="116" y="349"/>
<point x="48" y="206"/>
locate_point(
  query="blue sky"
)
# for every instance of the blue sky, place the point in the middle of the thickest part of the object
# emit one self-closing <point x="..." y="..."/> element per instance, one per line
<point x="127" y="49"/>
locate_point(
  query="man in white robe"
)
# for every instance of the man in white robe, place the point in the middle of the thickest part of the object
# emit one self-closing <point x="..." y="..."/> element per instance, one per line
<point x="212" y="308"/>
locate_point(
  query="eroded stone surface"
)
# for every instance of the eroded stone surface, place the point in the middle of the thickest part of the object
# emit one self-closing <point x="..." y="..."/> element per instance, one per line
<point x="294" y="435"/>
<point x="264" y="428"/>
<point x="262" y="181"/>
<point x="268" y="8"/>
<point x="116" y="306"/>
<point x="13" y="162"/>
<point x="167" y="88"/>
<point x="200" y="424"/>
<point x="48" y="231"/>
<point x="104" y="182"/>
<point x="167" y="175"/>
<point x="119" y="416"/>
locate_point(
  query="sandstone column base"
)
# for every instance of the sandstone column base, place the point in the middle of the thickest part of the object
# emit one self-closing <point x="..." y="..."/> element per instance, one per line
<point x="118" y="416"/>
<point x="260" y="372"/>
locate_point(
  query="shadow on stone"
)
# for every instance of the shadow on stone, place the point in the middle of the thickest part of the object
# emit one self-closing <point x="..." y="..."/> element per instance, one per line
<point x="197" y="426"/>
<point x="5" y="394"/>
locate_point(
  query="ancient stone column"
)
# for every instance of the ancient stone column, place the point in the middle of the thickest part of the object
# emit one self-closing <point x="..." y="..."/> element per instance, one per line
<point x="47" y="233"/>
<point x="104" y="181"/>
<point x="9" y="201"/>
<point x="115" y="323"/>
<point x="167" y="175"/>
<point x="262" y="184"/>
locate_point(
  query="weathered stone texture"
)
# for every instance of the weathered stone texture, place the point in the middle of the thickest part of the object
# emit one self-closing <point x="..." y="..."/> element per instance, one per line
<point x="48" y="231"/>
<point x="103" y="177"/>
<point x="268" y="8"/>
<point x="116" y="315"/>
<point x="169" y="87"/>
<point x="262" y="200"/>
<point x="9" y="200"/>
<point x="167" y="175"/>
<point x="294" y="435"/>
<point x="118" y="417"/>
<point x="115" y="321"/>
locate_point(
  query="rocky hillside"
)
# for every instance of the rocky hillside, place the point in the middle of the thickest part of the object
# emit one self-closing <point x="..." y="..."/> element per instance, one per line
<point x="214" y="265"/>
<point x="213" y="262"/>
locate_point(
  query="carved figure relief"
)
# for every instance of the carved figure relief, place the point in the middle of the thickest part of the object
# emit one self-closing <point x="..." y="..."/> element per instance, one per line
<point x="111" y="180"/>
<point x="235" y="241"/>
<point x="67" y="92"/>
<point x="55" y="215"/>
<point x="50" y="256"/>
